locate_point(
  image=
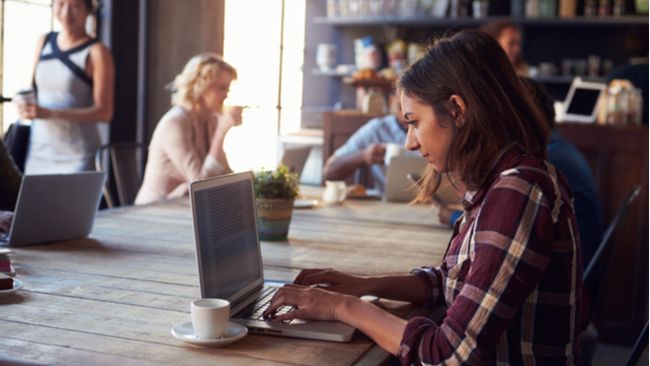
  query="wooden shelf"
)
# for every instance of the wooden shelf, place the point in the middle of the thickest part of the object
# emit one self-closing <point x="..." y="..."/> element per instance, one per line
<point x="626" y="20"/>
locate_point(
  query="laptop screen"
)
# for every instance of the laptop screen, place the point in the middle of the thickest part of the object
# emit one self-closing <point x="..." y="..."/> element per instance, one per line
<point x="226" y="231"/>
<point x="583" y="101"/>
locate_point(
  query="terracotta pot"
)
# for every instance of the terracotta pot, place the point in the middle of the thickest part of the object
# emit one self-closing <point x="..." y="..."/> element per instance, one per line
<point x="273" y="218"/>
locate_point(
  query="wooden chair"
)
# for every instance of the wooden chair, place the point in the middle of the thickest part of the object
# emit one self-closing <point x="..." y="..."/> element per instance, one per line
<point x="125" y="161"/>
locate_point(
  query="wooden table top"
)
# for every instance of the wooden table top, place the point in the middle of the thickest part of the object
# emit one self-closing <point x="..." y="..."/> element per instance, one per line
<point x="112" y="298"/>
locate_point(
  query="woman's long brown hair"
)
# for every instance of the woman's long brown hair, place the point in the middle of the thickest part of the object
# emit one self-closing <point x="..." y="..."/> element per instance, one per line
<point x="498" y="109"/>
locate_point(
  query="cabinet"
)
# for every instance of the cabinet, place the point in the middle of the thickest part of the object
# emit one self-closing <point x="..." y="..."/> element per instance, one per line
<point x="545" y="40"/>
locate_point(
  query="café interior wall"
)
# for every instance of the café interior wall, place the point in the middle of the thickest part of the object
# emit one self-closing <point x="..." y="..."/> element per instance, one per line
<point x="177" y="30"/>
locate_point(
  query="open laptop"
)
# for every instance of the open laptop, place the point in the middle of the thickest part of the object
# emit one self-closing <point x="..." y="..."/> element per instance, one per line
<point x="398" y="187"/>
<point x="230" y="259"/>
<point x="55" y="207"/>
<point x="295" y="158"/>
<point x="581" y="103"/>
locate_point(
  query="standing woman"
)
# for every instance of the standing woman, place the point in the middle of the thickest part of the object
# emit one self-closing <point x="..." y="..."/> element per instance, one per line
<point x="74" y="84"/>
<point x="187" y="144"/>
<point x="511" y="276"/>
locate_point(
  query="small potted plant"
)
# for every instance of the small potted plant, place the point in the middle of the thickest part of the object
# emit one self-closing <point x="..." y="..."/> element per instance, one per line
<point x="275" y="191"/>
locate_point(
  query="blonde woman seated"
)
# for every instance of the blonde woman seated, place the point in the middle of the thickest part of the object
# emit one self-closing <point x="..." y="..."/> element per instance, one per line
<point x="187" y="144"/>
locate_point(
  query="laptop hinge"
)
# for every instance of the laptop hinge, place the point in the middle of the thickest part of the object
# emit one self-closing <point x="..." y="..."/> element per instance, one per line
<point x="246" y="298"/>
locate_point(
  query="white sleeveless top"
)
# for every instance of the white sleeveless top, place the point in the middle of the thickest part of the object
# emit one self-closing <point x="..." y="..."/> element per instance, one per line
<point x="61" y="82"/>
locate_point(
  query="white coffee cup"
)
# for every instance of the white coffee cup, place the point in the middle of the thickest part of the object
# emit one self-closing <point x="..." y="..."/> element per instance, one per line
<point x="335" y="191"/>
<point x="393" y="149"/>
<point x="209" y="317"/>
<point x="24" y="97"/>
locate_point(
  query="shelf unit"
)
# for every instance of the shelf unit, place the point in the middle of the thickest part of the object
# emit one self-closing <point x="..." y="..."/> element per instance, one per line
<point x="545" y="40"/>
<point x="627" y="20"/>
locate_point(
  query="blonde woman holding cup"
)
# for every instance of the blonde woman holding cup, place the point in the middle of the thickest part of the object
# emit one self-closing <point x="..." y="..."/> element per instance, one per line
<point x="187" y="144"/>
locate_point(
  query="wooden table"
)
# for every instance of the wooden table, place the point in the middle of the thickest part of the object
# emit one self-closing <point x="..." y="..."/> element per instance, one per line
<point x="112" y="298"/>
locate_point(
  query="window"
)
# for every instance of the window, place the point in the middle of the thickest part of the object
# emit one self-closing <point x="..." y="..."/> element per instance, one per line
<point x="22" y="21"/>
<point x="266" y="48"/>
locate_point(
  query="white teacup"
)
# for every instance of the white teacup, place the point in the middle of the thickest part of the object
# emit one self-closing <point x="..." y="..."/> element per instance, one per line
<point x="335" y="191"/>
<point x="209" y="317"/>
<point x="393" y="149"/>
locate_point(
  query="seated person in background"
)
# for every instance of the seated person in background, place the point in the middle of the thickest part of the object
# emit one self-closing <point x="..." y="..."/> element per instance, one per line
<point x="10" y="179"/>
<point x="367" y="147"/>
<point x="575" y="168"/>
<point x="187" y="144"/>
<point x="508" y="35"/>
<point x="636" y="68"/>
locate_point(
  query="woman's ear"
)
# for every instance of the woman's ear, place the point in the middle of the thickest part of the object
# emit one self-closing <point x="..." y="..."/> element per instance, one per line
<point x="458" y="108"/>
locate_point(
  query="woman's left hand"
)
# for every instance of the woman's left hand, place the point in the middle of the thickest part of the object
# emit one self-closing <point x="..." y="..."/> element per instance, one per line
<point x="309" y="303"/>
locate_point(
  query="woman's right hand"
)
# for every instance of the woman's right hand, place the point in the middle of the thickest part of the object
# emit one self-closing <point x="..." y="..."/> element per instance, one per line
<point x="25" y="105"/>
<point x="336" y="281"/>
<point x="232" y="116"/>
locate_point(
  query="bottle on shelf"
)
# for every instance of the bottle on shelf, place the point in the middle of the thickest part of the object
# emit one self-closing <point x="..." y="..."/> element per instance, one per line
<point x="532" y="8"/>
<point x="603" y="8"/>
<point x="568" y="8"/>
<point x="547" y="8"/>
<point x="517" y="8"/>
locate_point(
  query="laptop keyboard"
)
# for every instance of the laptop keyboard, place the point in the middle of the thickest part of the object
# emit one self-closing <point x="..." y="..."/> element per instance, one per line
<point x="256" y="309"/>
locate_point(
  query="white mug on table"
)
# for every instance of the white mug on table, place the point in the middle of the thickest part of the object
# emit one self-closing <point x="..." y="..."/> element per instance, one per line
<point x="209" y="317"/>
<point x="335" y="192"/>
<point x="393" y="149"/>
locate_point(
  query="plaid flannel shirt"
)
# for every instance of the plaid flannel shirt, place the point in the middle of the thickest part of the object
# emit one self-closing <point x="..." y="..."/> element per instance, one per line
<point x="511" y="277"/>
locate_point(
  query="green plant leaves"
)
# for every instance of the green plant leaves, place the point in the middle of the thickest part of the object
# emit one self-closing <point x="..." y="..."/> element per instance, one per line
<point x="278" y="183"/>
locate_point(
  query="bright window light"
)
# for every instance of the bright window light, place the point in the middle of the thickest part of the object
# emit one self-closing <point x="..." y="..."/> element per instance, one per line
<point x="23" y="23"/>
<point x="252" y="44"/>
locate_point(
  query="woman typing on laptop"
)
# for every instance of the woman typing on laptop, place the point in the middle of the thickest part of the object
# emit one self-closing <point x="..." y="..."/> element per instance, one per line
<point x="511" y="277"/>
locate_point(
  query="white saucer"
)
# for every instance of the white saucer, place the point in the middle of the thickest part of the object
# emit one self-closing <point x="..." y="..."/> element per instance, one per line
<point x="305" y="203"/>
<point x="185" y="333"/>
<point x="18" y="284"/>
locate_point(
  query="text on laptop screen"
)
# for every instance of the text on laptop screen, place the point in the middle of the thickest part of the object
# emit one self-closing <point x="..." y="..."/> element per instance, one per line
<point x="227" y="237"/>
<point x="583" y="101"/>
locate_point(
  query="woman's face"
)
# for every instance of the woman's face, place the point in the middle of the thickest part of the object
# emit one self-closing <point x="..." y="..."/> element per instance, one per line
<point x="425" y="133"/>
<point x="510" y="41"/>
<point x="71" y="13"/>
<point x="217" y="92"/>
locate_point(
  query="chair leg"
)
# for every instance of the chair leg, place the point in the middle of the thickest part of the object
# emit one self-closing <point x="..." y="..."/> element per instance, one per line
<point x="639" y="347"/>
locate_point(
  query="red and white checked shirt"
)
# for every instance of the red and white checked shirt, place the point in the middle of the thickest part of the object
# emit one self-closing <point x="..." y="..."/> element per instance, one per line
<point x="511" y="277"/>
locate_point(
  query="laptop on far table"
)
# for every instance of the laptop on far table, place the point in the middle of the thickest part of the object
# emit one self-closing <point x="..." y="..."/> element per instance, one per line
<point x="230" y="259"/>
<point x="55" y="207"/>
<point x="398" y="187"/>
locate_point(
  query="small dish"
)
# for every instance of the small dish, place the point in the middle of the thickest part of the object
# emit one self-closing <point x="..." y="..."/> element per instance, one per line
<point x="185" y="333"/>
<point x="305" y="203"/>
<point x="371" y="194"/>
<point x="18" y="284"/>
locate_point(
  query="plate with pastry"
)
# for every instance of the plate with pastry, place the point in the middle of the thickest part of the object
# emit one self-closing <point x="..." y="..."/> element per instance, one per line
<point x="359" y="192"/>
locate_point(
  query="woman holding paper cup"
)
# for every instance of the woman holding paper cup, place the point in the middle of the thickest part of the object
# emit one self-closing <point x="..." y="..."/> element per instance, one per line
<point x="511" y="276"/>
<point x="73" y="101"/>
<point x="187" y="144"/>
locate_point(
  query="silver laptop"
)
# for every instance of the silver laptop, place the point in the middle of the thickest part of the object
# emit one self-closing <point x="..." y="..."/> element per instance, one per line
<point x="230" y="259"/>
<point x="295" y="158"/>
<point x="55" y="207"/>
<point x="398" y="187"/>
